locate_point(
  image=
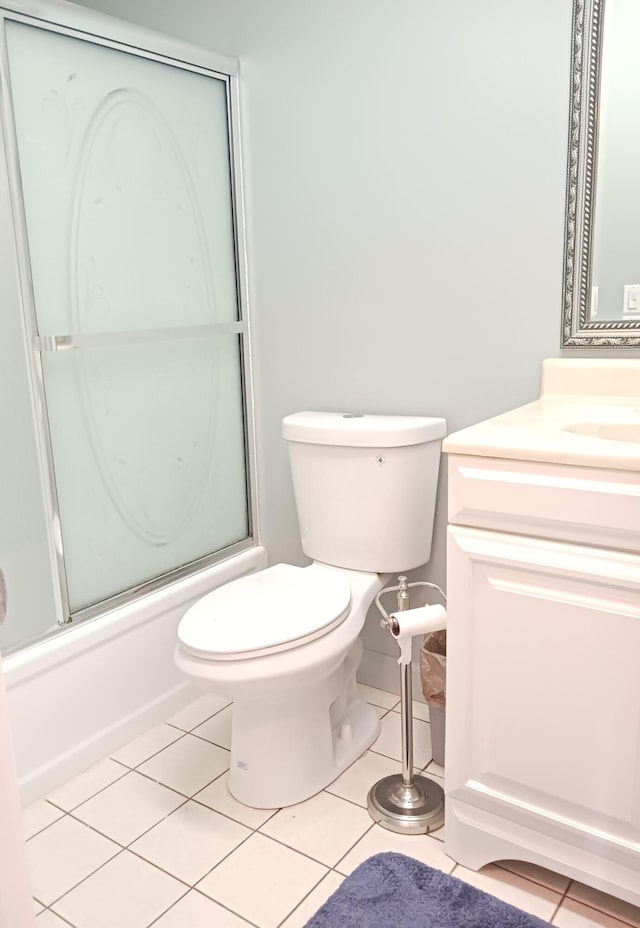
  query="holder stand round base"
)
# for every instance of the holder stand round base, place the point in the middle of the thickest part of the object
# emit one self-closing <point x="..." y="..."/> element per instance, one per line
<point x="412" y="809"/>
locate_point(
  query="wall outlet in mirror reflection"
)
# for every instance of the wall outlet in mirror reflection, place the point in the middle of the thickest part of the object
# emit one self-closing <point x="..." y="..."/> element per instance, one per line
<point x="631" y="301"/>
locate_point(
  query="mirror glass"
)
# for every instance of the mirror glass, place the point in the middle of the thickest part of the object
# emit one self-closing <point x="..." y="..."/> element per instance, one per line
<point x="602" y="232"/>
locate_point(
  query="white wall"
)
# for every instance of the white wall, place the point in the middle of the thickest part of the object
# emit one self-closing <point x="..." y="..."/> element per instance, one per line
<point x="405" y="169"/>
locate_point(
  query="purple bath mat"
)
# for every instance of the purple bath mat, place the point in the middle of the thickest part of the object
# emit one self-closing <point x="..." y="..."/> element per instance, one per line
<point x="394" y="891"/>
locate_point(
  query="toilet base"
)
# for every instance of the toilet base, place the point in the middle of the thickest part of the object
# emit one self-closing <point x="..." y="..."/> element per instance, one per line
<point x="297" y="720"/>
<point x="284" y="754"/>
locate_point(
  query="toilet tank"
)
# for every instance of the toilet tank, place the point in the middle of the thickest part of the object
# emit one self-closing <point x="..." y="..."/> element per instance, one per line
<point x="365" y="487"/>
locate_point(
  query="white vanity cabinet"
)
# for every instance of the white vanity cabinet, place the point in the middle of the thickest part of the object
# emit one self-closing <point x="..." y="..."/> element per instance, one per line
<point x="543" y="641"/>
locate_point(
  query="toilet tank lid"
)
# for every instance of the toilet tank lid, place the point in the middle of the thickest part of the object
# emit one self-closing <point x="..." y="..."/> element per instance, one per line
<point x="359" y="430"/>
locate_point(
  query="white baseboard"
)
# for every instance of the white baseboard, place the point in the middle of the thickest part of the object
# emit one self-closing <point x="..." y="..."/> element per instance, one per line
<point x="78" y="696"/>
<point x="62" y="767"/>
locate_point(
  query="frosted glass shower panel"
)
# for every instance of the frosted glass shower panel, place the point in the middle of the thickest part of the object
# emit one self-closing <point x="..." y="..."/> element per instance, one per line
<point x="128" y="200"/>
<point x="148" y="444"/>
<point x="126" y="181"/>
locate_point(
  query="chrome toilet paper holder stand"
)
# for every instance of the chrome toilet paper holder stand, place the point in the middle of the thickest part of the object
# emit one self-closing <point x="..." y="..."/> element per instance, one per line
<point x="405" y="803"/>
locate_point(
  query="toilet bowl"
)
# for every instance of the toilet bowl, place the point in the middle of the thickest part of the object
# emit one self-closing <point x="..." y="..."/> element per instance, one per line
<point x="297" y="720"/>
<point x="284" y="644"/>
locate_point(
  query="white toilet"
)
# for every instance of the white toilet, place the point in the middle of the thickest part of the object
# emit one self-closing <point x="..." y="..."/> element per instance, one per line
<point x="284" y="644"/>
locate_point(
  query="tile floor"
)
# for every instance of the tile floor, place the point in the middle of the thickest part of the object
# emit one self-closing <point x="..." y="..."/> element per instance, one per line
<point x="151" y="836"/>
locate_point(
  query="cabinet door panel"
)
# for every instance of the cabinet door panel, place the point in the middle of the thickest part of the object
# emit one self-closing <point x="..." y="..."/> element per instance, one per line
<point x="544" y="682"/>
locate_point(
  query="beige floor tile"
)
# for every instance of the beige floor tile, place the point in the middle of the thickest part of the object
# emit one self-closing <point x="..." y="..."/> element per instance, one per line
<point x="389" y="741"/>
<point x="280" y="879"/>
<point x="127" y="808"/>
<point x="89" y="783"/>
<point x="324" y="827"/>
<point x="148" y="744"/>
<point x="217" y="796"/>
<point x="38" y="815"/>
<point x="354" y="784"/>
<point x="530" y="897"/>
<point x="574" y="914"/>
<point x="617" y="908"/>
<point x="541" y="875"/>
<point x="377" y="697"/>
<point x="190" y="842"/>
<point x="208" y="840"/>
<point x="188" y="765"/>
<point x="125" y="893"/>
<point x="48" y="919"/>
<point x="197" y="911"/>
<point x="62" y="855"/>
<point x="434" y="770"/>
<point x="198" y="712"/>
<point x="420" y="711"/>
<point x="217" y="729"/>
<point x="316" y="898"/>
<point x="422" y="847"/>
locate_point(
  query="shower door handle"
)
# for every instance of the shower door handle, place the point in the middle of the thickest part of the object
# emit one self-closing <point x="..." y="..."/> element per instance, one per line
<point x="137" y="336"/>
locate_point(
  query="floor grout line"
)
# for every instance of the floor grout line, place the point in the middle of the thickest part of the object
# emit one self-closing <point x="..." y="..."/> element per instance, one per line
<point x="151" y="756"/>
<point x="125" y="772"/>
<point x="588" y="905"/>
<point x="209" y="899"/>
<point x="185" y="882"/>
<point x="559" y="905"/>
<point x="84" y="878"/>
<point x="162" y="914"/>
<point x="298" y="904"/>
<point x="62" y="919"/>
<point x="188" y="731"/>
<point x="120" y="848"/>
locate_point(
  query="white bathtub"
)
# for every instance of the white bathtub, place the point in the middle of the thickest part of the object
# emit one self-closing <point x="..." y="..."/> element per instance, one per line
<point x="94" y="687"/>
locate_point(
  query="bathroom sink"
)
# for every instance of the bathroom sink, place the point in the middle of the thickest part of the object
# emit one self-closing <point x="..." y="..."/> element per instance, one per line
<point x="611" y="431"/>
<point x="588" y="415"/>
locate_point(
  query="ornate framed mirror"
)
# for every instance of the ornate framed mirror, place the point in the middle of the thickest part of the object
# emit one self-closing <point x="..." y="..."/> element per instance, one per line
<point x="601" y="283"/>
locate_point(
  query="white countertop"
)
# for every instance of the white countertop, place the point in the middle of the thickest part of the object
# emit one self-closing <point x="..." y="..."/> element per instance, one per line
<point x="537" y="431"/>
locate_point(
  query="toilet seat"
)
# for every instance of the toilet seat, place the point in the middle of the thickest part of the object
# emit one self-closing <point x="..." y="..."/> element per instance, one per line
<point x="273" y="610"/>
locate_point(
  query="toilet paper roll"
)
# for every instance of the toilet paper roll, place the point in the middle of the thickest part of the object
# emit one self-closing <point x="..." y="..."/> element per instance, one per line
<point x="414" y="622"/>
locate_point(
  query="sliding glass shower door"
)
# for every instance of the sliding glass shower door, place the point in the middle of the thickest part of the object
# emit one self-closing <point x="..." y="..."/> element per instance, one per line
<point x="127" y="202"/>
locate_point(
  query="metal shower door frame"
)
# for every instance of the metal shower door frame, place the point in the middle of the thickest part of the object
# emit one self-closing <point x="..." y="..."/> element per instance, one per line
<point x="77" y="22"/>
